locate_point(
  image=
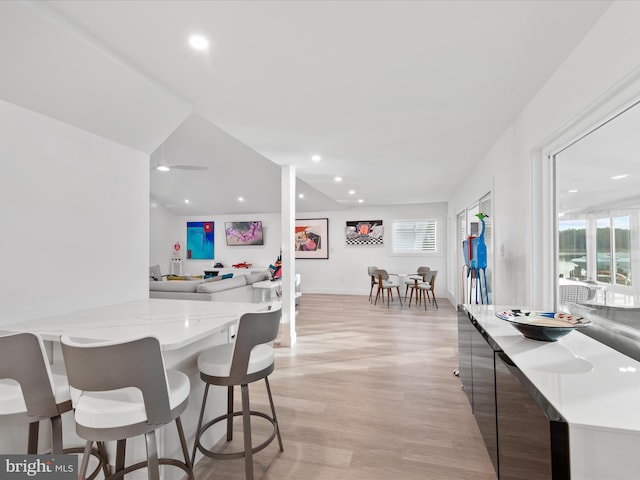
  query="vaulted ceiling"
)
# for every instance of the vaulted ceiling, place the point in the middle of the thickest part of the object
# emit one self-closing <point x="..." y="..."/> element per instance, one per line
<point x="400" y="99"/>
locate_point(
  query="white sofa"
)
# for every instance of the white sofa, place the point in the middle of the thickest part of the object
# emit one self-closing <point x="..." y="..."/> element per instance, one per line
<point x="235" y="289"/>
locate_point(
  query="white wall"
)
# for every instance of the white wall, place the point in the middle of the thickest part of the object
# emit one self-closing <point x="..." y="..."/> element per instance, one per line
<point x="345" y="272"/>
<point x="607" y="57"/>
<point x="74" y="218"/>
<point x="167" y="229"/>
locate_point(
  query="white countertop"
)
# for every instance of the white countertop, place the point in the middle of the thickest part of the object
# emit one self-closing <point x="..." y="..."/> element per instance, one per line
<point x="588" y="383"/>
<point x="176" y="323"/>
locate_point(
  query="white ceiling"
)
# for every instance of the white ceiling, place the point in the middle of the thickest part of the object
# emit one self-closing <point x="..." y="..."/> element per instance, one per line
<point x="401" y="99"/>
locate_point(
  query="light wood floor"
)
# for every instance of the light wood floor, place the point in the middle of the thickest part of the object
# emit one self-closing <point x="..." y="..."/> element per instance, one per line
<point x="367" y="393"/>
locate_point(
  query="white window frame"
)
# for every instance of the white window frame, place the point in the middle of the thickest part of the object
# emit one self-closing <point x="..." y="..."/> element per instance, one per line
<point x="438" y="225"/>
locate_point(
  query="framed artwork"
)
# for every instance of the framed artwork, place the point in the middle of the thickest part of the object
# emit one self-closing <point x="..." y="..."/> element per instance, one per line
<point x="243" y="233"/>
<point x="364" y="232"/>
<point x="312" y="238"/>
<point x="200" y="240"/>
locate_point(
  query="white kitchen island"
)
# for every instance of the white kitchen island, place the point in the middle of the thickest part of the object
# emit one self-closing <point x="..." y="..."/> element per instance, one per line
<point x="184" y="328"/>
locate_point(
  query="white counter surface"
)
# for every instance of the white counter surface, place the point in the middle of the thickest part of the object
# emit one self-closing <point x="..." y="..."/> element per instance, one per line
<point x="589" y="383"/>
<point x="176" y="323"/>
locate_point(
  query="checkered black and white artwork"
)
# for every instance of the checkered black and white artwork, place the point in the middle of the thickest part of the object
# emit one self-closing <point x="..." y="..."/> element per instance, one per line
<point x="364" y="233"/>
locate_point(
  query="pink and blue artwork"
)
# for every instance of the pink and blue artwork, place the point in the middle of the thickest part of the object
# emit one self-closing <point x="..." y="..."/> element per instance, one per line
<point x="200" y="240"/>
<point x="244" y="233"/>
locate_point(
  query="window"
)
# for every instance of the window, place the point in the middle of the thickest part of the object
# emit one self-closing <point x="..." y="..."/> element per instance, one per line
<point x="572" y="245"/>
<point x="622" y="253"/>
<point x="418" y="236"/>
<point x="598" y="208"/>
<point x="603" y="249"/>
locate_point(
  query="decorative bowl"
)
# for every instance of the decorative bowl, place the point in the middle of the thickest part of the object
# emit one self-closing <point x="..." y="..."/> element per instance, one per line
<point x="544" y="326"/>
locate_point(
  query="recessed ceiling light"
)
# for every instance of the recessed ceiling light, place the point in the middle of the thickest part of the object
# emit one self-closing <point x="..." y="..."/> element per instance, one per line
<point x="352" y="192"/>
<point x="338" y="179"/>
<point x="360" y="200"/>
<point x="162" y="168"/>
<point x="618" y="177"/>
<point x="186" y="200"/>
<point x="316" y="158"/>
<point x="573" y="190"/>
<point x="241" y="199"/>
<point x="301" y="195"/>
<point x="198" y="42"/>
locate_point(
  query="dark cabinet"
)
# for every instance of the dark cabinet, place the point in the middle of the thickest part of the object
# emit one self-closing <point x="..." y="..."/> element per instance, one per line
<point x="524" y="435"/>
<point x="484" y="393"/>
<point x="531" y="446"/>
<point x="464" y="354"/>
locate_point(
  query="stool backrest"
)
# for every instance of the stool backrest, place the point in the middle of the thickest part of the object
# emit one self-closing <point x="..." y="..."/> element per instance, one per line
<point x="99" y="367"/>
<point x="253" y="329"/>
<point x="24" y="359"/>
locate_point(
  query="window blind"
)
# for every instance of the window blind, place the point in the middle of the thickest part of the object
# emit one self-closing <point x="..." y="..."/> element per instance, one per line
<point x="414" y="236"/>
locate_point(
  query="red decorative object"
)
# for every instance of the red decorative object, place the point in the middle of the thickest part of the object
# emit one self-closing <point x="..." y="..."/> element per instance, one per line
<point x="208" y="226"/>
<point x="242" y="265"/>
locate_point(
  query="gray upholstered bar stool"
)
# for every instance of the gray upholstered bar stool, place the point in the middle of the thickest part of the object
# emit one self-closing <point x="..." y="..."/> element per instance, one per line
<point x="122" y="390"/>
<point x="248" y="359"/>
<point x="39" y="393"/>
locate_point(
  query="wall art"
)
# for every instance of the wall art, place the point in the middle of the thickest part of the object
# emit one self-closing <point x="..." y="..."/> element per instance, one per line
<point x="200" y="240"/>
<point x="364" y="232"/>
<point x="243" y="233"/>
<point x="312" y="238"/>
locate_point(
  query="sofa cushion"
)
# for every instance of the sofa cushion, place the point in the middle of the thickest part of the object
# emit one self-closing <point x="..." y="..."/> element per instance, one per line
<point x="175" y="286"/>
<point x="257" y="277"/>
<point x="226" y="284"/>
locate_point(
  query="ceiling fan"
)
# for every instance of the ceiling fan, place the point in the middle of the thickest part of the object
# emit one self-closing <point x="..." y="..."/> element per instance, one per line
<point x="164" y="166"/>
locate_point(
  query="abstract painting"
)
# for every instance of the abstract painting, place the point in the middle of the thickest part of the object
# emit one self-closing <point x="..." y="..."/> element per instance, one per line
<point x="200" y="240"/>
<point x="364" y="232"/>
<point x="312" y="238"/>
<point x="244" y="233"/>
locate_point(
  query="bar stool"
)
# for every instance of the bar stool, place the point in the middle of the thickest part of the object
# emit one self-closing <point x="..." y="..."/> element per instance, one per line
<point x="248" y="359"/>
<point x="39" y="393"/>
<point x="121" y="390"/>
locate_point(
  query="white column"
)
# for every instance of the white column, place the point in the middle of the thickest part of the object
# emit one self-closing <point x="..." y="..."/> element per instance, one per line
<point x="288" y="327"/>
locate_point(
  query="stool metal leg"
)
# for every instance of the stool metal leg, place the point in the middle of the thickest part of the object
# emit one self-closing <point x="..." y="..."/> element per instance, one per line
<point x="229" y="413"/>
<point x="152" y="455"/>
<point x="82" y="474"/>
<point x="273" y="412"/>
<point x="106" y="469"/>
<point x="56" y="435"/>
<point x="246" y="424"/>
<point x="196" y="443"/>
<point x="32" y="442"/>
<point x="121" y="449"/>
<point x="183" y="445"/>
